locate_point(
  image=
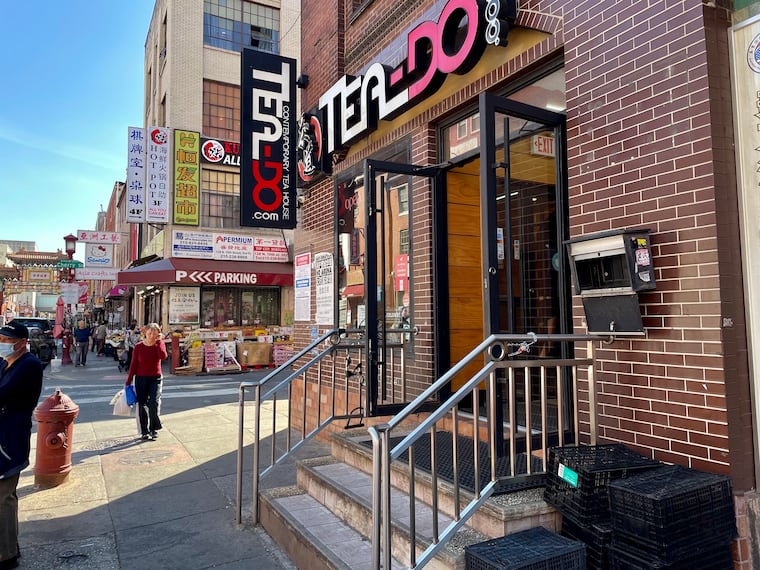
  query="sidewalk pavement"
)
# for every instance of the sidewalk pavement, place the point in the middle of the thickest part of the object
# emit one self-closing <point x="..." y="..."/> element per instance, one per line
<point x="169" y="503"/>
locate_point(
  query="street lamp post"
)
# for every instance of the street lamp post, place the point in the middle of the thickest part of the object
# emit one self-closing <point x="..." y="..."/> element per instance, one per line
<point x="71" y="247"/>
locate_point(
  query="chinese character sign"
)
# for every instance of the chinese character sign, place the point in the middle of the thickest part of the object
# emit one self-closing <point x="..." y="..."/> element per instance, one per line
<point x="268" y="170"/>
<point x="186" y="177"/>
<point x="157" y="176"/>
<point x="94" y="236"/>
<point x="136" y="149"/>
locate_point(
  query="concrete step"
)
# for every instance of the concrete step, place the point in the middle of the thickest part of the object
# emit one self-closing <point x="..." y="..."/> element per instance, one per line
<point x="312" y="536"/>
<point x="499" y="516"/>
<point x="347" y="493"/>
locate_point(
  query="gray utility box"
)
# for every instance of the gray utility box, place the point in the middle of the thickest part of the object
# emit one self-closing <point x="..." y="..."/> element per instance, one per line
<point x="609" y="270"/>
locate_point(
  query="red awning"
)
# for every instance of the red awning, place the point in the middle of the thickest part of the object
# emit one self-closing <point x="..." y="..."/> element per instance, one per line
<point x="353" y="290"/>
<point x="176" y="270"/>
<point x="118" y="291"/>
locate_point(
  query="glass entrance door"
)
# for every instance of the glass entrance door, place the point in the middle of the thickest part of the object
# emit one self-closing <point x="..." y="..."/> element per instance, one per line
<point x="389" y="312"/>
<point x="523" y="219"/>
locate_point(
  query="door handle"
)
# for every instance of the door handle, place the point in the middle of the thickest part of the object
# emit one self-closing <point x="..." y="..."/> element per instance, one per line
<point x="492" y="270"/>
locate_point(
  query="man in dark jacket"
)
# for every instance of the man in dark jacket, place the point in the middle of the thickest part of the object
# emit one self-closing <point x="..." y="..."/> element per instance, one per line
<point x="20" y="387"/>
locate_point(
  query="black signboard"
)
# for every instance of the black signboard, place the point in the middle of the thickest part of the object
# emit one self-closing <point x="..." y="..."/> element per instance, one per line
<point x="268" y="168"/>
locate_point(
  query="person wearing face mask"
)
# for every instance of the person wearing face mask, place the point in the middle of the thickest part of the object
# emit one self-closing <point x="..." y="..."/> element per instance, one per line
<point x="20" y="387"/>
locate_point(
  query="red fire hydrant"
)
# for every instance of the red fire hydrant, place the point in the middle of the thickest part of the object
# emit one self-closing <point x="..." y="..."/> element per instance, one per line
<point x="55" y="427"/>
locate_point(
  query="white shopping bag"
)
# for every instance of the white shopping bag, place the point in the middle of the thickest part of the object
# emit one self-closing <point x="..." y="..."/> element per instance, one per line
<point x="120" y="406"/>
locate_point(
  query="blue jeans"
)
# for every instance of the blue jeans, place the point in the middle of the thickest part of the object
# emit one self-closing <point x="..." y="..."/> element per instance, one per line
<point x="81" y="353"/>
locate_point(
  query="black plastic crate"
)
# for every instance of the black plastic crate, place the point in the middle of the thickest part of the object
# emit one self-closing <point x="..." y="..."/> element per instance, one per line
<point x="596" y="537"/>
<point x="532" y="549"/>
<point x="719" y="557"/>
<point x="671" y="512"/>
<point x="577" y="478"/>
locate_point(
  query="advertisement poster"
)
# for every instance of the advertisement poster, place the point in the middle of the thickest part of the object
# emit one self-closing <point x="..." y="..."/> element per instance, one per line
<point x="157" y="178"/>
<point x="271" y="249"/>
<point x="184" y="305"/>
<point x="98" y="255"/>
<point x="302" y="275"/>
<point x="194" y="245"/>
<point x="233" y="247"/>
<point x="324" y="277"/>
<point x="136" y="149"/>
<point x="268" y="171"/>
<point x="187" y="178"/>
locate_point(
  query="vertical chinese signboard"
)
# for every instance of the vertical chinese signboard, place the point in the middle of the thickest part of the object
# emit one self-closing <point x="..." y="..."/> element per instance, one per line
<point x="157" y="176"/>
<point x="186" y="177"/>
<point x="268" y="169"/>
<point x="136" y="175"/>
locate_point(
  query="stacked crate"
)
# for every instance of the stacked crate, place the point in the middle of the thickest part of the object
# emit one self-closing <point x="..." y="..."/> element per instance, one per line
<point x="672" y="518"/>
<point x="577" y="485"/>
<point x="532" y="549"/>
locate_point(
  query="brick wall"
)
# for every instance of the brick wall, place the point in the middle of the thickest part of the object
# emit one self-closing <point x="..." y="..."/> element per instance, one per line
<point x="649" y="145"/>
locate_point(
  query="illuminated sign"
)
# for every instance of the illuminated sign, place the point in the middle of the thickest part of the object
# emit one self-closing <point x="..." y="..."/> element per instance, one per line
<point x="453" y="44"/>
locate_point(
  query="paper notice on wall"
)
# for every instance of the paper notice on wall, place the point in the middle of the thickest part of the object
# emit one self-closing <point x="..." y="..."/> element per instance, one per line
<point x="324" y="278"/>
<point x="302" y="281"/>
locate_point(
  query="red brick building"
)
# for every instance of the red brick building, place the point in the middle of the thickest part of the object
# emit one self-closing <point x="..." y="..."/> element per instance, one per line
<point x="594" y="117"/>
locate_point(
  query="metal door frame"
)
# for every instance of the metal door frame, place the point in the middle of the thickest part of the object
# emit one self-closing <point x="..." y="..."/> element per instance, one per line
<point x="489" y="105"/>
<point x="373" y="168"/>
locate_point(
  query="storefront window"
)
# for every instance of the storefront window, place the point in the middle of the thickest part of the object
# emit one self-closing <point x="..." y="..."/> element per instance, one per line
<point x="261" y="307"/>
<point x="236" y="307"/>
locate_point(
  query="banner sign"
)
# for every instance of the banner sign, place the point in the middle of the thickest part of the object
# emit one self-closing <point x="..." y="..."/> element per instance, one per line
<point x="187" y="178"/>
<point x="97" y="273"/>
<point x="136" y="175"/>
<point x="214" y="151"/>
<point x="268" y="140"/>
<point x="94" y="236"/>
<point x="229" y="247"/>
<point x="272" y="249"/>
<point x="157" y="176"/>
<point x="74" y="293"/>
<point x="194" y="245"/>
<point x="98" y="255"/>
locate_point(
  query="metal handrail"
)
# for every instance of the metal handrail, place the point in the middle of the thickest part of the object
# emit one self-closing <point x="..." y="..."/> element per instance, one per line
<point x="258" y="399"/>
<point x="495" y="349"/>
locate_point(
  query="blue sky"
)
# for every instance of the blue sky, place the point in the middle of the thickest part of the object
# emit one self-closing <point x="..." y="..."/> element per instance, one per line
<point x="72" y="75"/>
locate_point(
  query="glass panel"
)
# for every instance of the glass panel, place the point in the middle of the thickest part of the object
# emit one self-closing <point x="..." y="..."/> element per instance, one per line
<point x="351" y="254"/>
<point x="528" y="270"/>
<point x="261" y="307"/>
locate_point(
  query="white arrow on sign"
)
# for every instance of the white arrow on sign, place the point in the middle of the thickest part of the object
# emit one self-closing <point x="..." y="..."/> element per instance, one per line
<point x="202" y="276"/>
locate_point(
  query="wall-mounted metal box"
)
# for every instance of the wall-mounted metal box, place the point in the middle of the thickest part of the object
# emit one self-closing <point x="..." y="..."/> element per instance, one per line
<point x="609" y="269"/>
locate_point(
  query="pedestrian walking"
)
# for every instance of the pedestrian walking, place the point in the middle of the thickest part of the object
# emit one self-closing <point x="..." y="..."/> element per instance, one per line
<point x="20" y="387"/>
<point x="145" y="371"/>
<point x="82" y="335"/>
<point x="100" y="336"/>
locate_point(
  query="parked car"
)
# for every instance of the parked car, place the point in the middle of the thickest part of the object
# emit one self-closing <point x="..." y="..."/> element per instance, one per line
<point x="41" y="341"/>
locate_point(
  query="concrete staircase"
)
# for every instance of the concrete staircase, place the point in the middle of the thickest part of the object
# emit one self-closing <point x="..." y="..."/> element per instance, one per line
<point x="325" y="520"/>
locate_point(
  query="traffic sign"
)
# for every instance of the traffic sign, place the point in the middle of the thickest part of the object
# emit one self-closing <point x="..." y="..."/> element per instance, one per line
<point x="69" y="263"/>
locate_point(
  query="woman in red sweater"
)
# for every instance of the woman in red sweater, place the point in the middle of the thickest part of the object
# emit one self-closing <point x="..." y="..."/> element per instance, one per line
<point x="145" y="370"/>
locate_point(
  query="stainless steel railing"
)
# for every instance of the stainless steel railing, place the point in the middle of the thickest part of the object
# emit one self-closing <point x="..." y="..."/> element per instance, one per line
<point x="536" y="395"/>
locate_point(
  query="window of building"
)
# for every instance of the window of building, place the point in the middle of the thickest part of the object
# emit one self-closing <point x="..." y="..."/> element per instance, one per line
<point x="222" y="306"/>
<point x="403" y="199"/>
<point x="403" y="242"/>
<point x="220" y="199"/>
<point x="238" y="24"/>
<point x="221" y="110"/>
